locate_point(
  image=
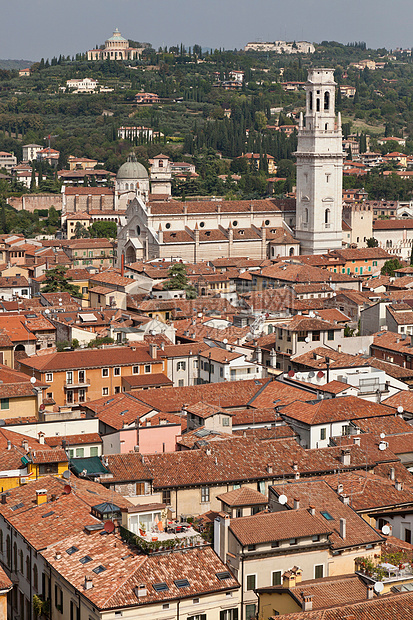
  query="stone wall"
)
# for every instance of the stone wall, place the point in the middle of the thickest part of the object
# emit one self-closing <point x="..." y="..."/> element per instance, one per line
<point x="31" y="202"/>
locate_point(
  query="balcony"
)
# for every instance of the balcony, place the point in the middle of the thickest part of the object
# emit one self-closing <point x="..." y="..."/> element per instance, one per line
<point x="72" y="385"/>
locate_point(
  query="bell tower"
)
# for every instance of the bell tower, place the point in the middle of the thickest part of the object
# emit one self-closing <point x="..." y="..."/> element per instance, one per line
<point x="319" y="168"/>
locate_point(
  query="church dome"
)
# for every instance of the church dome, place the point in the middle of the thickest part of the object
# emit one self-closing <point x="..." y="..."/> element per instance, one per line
<point x="131" y="170"/>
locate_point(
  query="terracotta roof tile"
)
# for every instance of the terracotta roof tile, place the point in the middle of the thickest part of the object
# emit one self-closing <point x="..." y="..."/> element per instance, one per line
<point x="243" y="496"/>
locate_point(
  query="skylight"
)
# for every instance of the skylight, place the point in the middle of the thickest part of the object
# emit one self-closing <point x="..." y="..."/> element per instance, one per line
<point x="160" y="587"/>
<point x="85" y="559"/>
<point x="71" y="550"/>
<point x="99" y="569"/>
<point x="48" y="514"/>
<point x="223" y="575"/>
<point x="17" y="506"/>
<point x="327" y="515"/>
<point x="181" y="583"/>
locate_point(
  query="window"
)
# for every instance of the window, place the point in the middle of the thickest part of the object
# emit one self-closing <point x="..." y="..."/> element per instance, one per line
<point x="326" y="100"/>
<point x="135" y="370"/>
<point x="315" y="538"/>
<point x="81" y="375"/>
<point x="69" y="377"/>
<point x="181" y="366"/>
<point x="318" y="571"/>
<point x="166" y="497"/>
<point x="251" y="547"/>
<point x="228" y="614"/>
<point x="49" y="377"/>
<point x="345" y="430"/>
<point x="197" y="617"/>
<point x="330" y="334"/>
<point x="322" y="433"/>
<point x="165" y="606"/>
<point x="276" y="578"/>
<point x="5" y="403"/>
<point x="261" y="487"/>
<point x="35" y="578"/>
<point x="80" y="453"/>
<point x="316" y="336"/>
<point x="251" y="582"/>
<point x="105" y="372"/>
<point x="58" y="598"/>
<point x="204" y="494"/>
<point x="105" y="391"/>
<point x="326" y="515"/>
<point x="250" y="609"/>
<point x="48" y="468"/>
<point x="116" y="371"/>
<point x="275" y="544"/>
<point x="225" y="421"/>
<point x="147" y="368"/>
<point x="74" y="611"/>
<point x="293" y="541"/>
<point x="82" y="395"/>
<point x="301" y="336"/>
<point x="180" y="383"/>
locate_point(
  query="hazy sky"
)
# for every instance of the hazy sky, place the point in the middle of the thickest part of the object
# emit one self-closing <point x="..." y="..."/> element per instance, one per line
<point x="32" y="29"/>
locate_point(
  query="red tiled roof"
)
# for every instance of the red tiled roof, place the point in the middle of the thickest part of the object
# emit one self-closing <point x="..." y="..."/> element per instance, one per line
<point x="244" y="496"/>
<point x="334" y="410"/>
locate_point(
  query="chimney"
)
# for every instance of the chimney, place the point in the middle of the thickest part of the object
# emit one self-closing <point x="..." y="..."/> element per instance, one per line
<point x="399" y="485"/>
<point x="340" y="488"/>
<point x="153" y="351"/>
<point x="141" y="590"/>
<point x="88" y="582"/>
<point x="356" y="441"/>
<point x="339" y="348"/>
<point x="296" y="503"/>
<point x="370" y="592"/>
<point x="345" y="499"/>
<point x="392" y="473"/>
<point x="311" y="510"/>
<point x="25" y="445"/>
<point x="307" y="604"/>
<point x="41" y="438"/>
<point x="57" y="555"/>
<point x="221" y="528"/>
<point x="345" y="457"/>
<point x="269" y="468"/>
<point x="8" y="444"/>
<point x="343" y="528"/>
<point x="259" y="355"/>
<point x="41" y="496"/>
<point x="3" y="498"/>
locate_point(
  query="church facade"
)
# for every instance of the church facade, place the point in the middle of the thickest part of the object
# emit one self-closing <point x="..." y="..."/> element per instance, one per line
<point x="116" y="48"/>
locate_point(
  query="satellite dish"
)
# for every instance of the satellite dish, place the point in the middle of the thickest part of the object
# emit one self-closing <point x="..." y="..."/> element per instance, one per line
<point x="382" y="446"/>
<point x="291" y="373"/>
<point x="282" y="499"/>
<point x="378" y="587"/>
<point x="382" y="435"/>
<point x="400" y="409"/>
<point x="320" y="374"/>
<point x="311" y="374"/>
<point x="67" y="489"/>
<point x="386" y="530"/>
<point x="66" y="474"/>
<point x="225" y="341"/>
<point x="307" y="339"/>
<point x="47" y="311"/>
<point x="32" y="379"/>
<point x="109" y="527"/>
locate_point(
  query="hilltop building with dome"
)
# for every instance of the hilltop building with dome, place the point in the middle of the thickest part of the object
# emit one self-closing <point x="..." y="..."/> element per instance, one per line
<point x="116" y="48"/>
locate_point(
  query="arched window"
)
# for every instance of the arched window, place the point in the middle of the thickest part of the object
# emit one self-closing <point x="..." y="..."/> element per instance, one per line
<point x="305" y="218"/>
<point x="327" y="216"/>
<point x="326" y="100"/>
<point x="318" y="104"/>
<point x="35" y="578"/>
<point x="28" y="567"/>
<point x="1" y="541"/>
<point x="161" y="163"/>
<point x="138" y="230"/>
<point x="291" y="251"/>
<point x="21" y="560"/>
<point x="15" y="556"/>
<point x="310" y="100"/>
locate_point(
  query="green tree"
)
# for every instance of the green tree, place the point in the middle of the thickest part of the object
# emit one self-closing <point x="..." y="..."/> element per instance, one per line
<point x="178" y="280"/>
<point x="372" y="242"/>
<point x="56" y="281"/>
<point x="54" y="217"/>
<point x="390" y="267"/>
<point x="81" y="232"/>
<point x="103" y="229"/>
